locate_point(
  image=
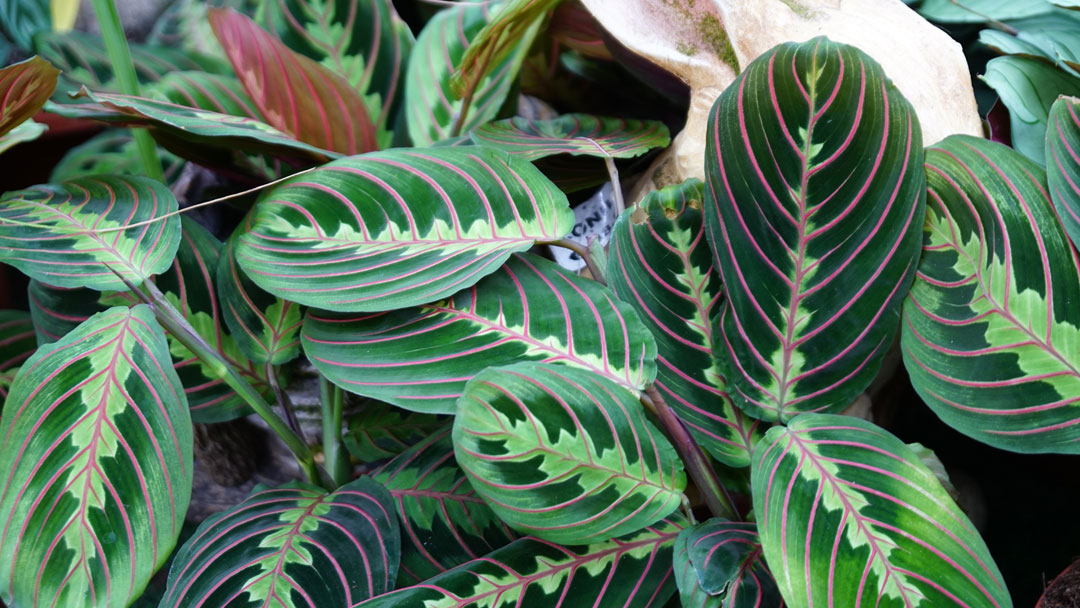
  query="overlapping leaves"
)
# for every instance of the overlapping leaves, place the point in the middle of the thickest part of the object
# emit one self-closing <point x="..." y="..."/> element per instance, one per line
<point x="17" y="343"/>
<point x="720" y="564"/>
<point x="573" y="134"/>
<point x="849" y="516"/>
<point x="564" y="454"/>
<point x="294" y="545"/>
<point x="379" y="430"/>
<point x="661" y="265"/>
<point x="95" y="455"/>
<point x="816" y="193"/>
<point x="529" y="309"/>
<point x="397" y="228"/>
<point x="991" y="326"/>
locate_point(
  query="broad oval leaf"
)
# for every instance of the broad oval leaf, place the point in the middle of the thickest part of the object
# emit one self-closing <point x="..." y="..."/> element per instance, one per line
<point x="378" y="430"/>
<point x="816" y="192"/>
<point x="293" y="545"/>
<point x="991" y="326"/>
<point x="67" y="234"/>
<point x="24" y="88"/>
<point x="431" y="108"/>
<point x="266" y="328"/>
<point x="849" y="516"/>
<point x="720" y="564"/>
<point x="96" y="465"/>
<point x="294" y="93"/>
<point x="363" y="41"/>
<point x="632" y="571"/>
<point x="1063" y="163"/>
<point x="17" y="343"/>
<point x="660" y="263"/>
<point x="564" y="454"/>
<point x="444" y="523"/>
<point x="575" y="134"/>
<point x="398" y="228"/>
<point x="529" y="309"/>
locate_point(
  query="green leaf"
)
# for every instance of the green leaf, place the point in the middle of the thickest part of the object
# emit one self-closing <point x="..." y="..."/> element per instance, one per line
<point x="24" y="88"/>
<point x="980" y="11"/>
<point x="576" y="134"/>
<point x="266" y="329"/>
<point x="112" y="151"/>
<point x="397" y="228"/>
<point x="530" y="309"/>
<point x="210" y="92"/>
<point x="431" y="109"/>
<point x="1028" y="88"/>
<point x="633" y="571"/>
<point x="660" y="263"/>
<point x="205" y="137"/>
<point x="26" y="131"/>
<point x="96" y="458"/>
<point x="849" y="516"/>
<point x="66" y="234"/>
<point x="295" y="94"/>
<point x="17" y="343"/>
<point x="991" y="326"/>
<point x="1053" y="36"/>
<point x="1063" y="163"/>
<point x="363" y="41"/>
<point x="380" y="430"/>
<point x="20" y="20"/>
<point x="444" y="523"/>
<point x="294" y="545"/>
<point x="720" y="564"/>
<point x="564" y="454"/>
<point x="816" y="194"/>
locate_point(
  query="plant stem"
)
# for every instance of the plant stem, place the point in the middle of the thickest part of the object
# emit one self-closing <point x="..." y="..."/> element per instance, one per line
<point x="583" y="251"/>
<point x="697" y="464"/>
<point x="283" y="401"/>
<point x="336" y="462"/>
<point x="124" y="69"/>
<point x="616" y="185"/>
<point x="467" y="98"/>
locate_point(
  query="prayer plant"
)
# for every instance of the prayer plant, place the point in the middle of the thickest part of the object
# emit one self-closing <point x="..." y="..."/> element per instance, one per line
<point x="666" y="429"/>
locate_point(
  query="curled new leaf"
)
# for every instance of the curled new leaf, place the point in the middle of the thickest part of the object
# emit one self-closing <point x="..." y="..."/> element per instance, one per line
<point x="95" y="454"/>
<point x="577" y="134"/>
<point x="72" y="234"/>
<point x="529" y="309"/>
<point x="849" y="516"/>
<point x="564" y="454"/>
<point x="991" y="326"/>
<point x="294" y="545"/>
<point x="815" y="197"/>
<point x="397" y="228"/>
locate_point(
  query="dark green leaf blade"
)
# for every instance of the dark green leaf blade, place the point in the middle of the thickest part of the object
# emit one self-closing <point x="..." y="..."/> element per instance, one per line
<point x="576" y="134"/>
<point x="17" y="343"/>
<point x="1063" y="163"/>
<point x="444" y="523"/>
<point x="529" y="309"/>
<point x="816" y="193"/>
<point x="379" y="430"/>
<point x="991" y="325"/>
<point x="848" y="515"/>
<point x="660" y="263"/>
<point x="397" y="228"/>
<point x="97" y="466"/>
<point x="564" y="454"/>
<point x="66" y="234"/>
<point x="720" y="564"/>
<point x="293" y="545"/>
<point x="633" y="571"/>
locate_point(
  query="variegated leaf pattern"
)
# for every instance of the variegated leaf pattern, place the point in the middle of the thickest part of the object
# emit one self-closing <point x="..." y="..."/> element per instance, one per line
<point x="266" y="328"/>
<point x="564" y="454"/>
<point x="379" y="430"/>
<point x="24" y="88"/>
<point x="815" y="194"/>
<point x="633" y="571"/>
<point x="991" y="329"/>
<point x="95" y="459"/>
<point x="205" y="91"/>
<point x="17" y="343"/>
<point x="720" y="564"/>
<point x="363" y="41"/>
<point x="849" y="516"/>
<point x="291" y="546"/>
<point x="67" y="234"/>
<point x="529" y="309"/>
<point x="112" y="151"/>
<point x="577" y="134"/>
<point x="293" y="92"/>
<point x="398" y="228"/>
<point x="661" y="265"/>
<point x="444" y="523"/>
<point x="431" y="109"/>
<point x="1063" y="163"/>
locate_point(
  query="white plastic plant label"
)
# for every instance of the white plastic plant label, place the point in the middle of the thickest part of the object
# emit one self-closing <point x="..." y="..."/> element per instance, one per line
<point x="594" y="218"/>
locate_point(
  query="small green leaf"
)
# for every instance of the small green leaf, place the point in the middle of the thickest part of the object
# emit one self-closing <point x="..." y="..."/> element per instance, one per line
<point x="380" y="430"/>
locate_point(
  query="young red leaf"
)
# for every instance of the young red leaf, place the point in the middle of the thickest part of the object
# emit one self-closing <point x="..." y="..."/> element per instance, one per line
<point x="24" y="88"/>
